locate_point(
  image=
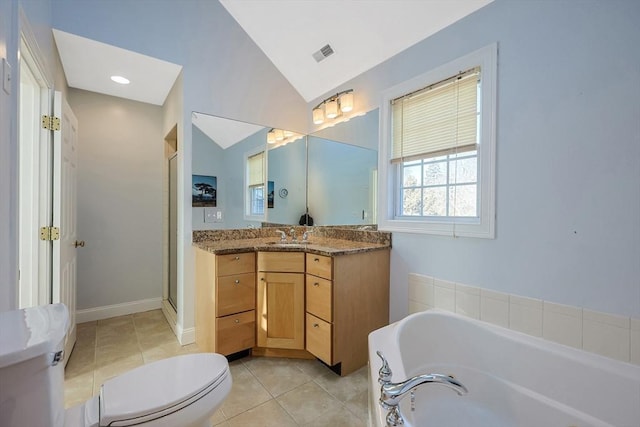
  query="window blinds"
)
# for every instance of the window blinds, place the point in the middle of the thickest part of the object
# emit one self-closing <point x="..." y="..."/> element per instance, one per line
<point x="437" y="119"/>
<point x="256" y="167"/>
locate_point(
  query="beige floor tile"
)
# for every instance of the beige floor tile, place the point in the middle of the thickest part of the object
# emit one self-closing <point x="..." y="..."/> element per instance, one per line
<point x="150" y="323"/>
<point x="217" y="418"/>
<point x="82" y="361"/>
<point x="151" y="339"/>
<point x="246" y="392"/>
<point x="344" y="388"/>
<point x="313" y="368"/>
<point x="278" y="376"/>
<point x="269" y="414"/>
<point x="359" y="405"/>
<point x="109" y="354"/>
<point x="78" y="389"/>
<point x="115" y="368"/>
<point x="115" y="321"/>
<point x="340" y="418"/>
<point x="162" y="351"/>
<point x="308" y="402"/>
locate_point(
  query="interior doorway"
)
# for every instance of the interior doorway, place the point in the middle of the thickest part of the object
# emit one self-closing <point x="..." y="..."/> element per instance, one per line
<point x="170" y="289"/>
<point x="35" y="179"/>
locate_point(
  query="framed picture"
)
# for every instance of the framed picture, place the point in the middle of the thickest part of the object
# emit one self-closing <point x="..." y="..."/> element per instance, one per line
<point x="270" y="193"/>
<point x="204" y="191"/>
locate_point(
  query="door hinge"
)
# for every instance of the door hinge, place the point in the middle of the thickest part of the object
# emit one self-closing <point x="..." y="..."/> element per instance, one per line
<point x="50" y="122"/>
<point x="49" y="233"/>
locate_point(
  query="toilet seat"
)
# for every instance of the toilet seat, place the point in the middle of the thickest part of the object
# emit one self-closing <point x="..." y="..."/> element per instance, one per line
<point x="161" y="388"/>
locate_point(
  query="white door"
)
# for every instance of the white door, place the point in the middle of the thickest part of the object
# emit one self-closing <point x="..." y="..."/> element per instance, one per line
<point x="65" y="168"/>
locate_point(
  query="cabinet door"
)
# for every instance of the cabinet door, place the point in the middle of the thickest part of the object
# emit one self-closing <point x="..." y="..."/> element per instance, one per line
<point x="281" y="310"/>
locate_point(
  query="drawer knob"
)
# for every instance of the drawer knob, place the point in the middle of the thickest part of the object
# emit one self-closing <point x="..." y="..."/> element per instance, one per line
<point x="316" y="284"/>
<point x="237" y="320"/>
<point x="315" y="325"/>
<point x="237" y="281"/>
<point x="316" y="259"/>
<point x="236" y="258"/>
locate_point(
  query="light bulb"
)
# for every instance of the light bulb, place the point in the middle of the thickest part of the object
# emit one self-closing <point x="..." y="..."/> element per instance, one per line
<point x="331" y="109"/>
<point x="271" y="137"/>
<point x="346" y="102"/>
<point x="318" y="116"/>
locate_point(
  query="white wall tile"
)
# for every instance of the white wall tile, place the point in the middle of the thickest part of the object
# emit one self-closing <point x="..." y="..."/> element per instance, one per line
<point x="635" y="341"/>
<point x="494" y="308"/>
<point x="444" y="295"/>
<point x="606" y="334"/>
<point x="562" y="324"/>
<point x="416" y="307"/>
<point x="421" y="289"/>
<point x="468" y="301"/>
<point x="525" y="315"/>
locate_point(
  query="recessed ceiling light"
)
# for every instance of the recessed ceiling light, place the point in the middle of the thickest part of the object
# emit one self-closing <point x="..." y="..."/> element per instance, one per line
<point x="120" y="79"/>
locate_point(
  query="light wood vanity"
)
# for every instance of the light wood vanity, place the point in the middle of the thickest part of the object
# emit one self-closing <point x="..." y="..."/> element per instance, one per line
<point x="319" y="301"/>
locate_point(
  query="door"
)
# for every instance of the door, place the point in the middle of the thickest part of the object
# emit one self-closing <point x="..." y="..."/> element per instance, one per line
<point x="65" y="169"/>
<point x="281" y="310"/>
<point x="173" y="231"/>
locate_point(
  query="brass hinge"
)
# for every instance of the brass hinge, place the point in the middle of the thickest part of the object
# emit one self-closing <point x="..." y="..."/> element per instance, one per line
<point x="50" y="122"/>
<point x="49" y="233"/>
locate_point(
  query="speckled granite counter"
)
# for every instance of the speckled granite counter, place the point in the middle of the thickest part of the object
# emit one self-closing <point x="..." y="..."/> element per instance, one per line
<point x="327" y="241"/>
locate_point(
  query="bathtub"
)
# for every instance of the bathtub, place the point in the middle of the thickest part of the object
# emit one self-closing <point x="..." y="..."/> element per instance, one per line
<point x="514" y="380"/>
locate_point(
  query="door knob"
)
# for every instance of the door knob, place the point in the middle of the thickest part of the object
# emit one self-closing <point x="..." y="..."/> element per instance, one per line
<point x="79" y="243"/>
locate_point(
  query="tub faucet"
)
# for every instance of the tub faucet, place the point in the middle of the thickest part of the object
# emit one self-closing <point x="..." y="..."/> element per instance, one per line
<point x="392" y="393"/>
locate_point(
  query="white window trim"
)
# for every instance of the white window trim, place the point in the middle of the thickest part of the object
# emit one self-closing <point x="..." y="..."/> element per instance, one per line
<point x="247" y="196"/>
<point x="487" y="59"/>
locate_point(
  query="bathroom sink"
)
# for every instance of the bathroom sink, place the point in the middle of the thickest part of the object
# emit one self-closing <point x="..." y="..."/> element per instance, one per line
<point x="280" y="244"/>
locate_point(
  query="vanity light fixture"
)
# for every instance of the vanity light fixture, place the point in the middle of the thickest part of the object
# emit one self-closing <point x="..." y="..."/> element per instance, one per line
<point x="333" y="107"/>
<point x="281" y="137"/>
<point x="121" y="80"/>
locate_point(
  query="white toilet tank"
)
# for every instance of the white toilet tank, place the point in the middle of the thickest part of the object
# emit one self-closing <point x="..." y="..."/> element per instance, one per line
<point x="32" y="366"/>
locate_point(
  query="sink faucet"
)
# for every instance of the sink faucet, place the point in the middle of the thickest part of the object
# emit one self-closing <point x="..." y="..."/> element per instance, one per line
<point x="305" y="235"/>
<point x="292" y="233"/>
<point x="283" y="235"/>
<point x="392" y="393"/>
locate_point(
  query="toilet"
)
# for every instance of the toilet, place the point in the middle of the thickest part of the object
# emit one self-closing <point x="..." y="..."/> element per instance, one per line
<point x="181" y="391"/>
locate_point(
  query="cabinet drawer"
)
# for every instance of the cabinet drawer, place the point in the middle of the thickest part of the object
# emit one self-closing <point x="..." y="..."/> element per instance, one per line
<point x="318" y="297"/>
<point x="235" y="264"/>
<point x="235" y="293"/>
<point x="284" y="262"/>
<point x="319" y="265"/>
<point x="319" y="335"/>
<point x="236" y="332"/>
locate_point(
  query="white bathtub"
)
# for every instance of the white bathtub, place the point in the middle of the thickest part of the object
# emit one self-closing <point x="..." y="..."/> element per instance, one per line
<point x="514" y="380"/>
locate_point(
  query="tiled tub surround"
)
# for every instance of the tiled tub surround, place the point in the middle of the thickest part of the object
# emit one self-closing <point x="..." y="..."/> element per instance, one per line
<point x="609" y="335"/>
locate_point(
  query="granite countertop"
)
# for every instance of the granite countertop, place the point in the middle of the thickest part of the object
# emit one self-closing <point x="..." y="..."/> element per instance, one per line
<point x="315" y="245"/>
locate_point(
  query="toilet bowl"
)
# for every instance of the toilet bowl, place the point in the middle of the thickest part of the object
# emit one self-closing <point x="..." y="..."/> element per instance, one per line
<point x="180" y="391"/>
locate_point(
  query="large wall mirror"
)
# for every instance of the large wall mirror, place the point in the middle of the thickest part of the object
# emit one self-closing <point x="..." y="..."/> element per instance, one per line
<point x="331" y="174"/>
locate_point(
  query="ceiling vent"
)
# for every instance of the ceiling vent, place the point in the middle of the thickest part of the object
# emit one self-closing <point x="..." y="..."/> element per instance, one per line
<point x="324" y="52"/>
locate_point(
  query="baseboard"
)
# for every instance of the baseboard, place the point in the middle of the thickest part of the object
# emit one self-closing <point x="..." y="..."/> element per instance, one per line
<point x="108" y="311"/>
<point x="186" y="336"/>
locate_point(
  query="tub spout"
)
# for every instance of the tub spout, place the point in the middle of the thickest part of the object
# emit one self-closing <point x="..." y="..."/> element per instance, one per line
<point x="392" y="393"/>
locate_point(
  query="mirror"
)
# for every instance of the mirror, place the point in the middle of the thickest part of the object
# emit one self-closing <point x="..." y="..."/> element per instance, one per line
<point x="333" y="171"/>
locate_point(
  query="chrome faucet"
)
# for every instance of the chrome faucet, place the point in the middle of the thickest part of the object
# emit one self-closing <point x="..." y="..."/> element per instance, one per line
<point x="305" y="235"/>
<point x="292" y="233"/>
<point x="392" y="393"/>
<point x="283" y="235"/>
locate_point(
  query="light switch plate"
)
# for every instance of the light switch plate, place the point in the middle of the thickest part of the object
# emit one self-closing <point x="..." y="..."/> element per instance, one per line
<point x="6" y="76"/>
<point x="212" y="215"/>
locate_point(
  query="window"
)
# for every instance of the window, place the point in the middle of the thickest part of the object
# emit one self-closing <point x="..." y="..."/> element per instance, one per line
<point x="255" y="186"/>
<point x="438" y="150"/>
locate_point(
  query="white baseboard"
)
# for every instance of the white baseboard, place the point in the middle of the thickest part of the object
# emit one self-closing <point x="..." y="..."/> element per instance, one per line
<point x="186" y="336"/>
<point x="108" y="311"/>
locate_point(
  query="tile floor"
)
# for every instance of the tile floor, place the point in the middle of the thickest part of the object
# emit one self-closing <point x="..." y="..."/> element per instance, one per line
<point x="266" y="391"/>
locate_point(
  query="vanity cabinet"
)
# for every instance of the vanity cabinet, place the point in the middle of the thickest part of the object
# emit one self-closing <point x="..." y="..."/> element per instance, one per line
<point x="225" y="301"/>
<point x="280" y="301"/>
<point x="347" y="297"/>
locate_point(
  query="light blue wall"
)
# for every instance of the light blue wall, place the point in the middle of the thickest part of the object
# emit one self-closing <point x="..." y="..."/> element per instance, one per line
<point x="287" y="169"/>
<point x="209" y="161"/>
<point x="568" y="154"/>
